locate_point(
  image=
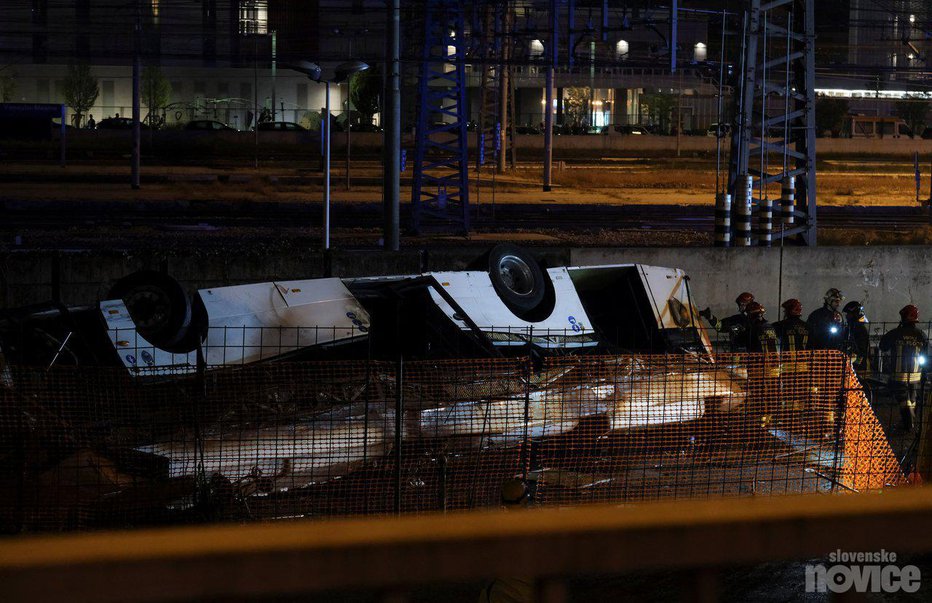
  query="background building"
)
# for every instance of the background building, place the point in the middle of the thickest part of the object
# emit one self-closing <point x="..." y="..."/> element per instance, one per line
<point x="228" y="59"/>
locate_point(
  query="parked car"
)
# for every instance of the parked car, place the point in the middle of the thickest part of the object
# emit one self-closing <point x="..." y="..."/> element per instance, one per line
<point x="625" y="129"/>
<point x="118" y="123"/>
<point x="280" y="126"/>
<point x="208" y="125"/>
<point x="533" y="130"/>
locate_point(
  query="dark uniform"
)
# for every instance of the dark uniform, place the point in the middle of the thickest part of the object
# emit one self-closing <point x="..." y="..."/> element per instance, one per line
<point x="859" y="343"/>
<point x="764" y="363"/>
<point x="821" y="324"/>
<point x="792" y="333"/>
<point x="762" y="337"/>
<point x="736" y="326"/>
<point x="906" y="347"/>
<point x="859" y="339"/>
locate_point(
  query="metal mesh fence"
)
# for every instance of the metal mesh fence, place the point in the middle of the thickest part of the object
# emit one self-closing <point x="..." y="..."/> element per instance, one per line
<point x="84" y="448"/>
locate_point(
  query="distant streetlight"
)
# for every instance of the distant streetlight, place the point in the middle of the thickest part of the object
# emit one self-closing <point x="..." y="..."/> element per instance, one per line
<point x="338" y="74"/>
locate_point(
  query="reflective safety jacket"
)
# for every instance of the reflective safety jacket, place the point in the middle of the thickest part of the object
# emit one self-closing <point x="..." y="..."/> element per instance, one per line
<point x="907" y="347"/>
<point x="762" y="337"/>
<point x="793" y="334"/>
<point x="821" y="323"/>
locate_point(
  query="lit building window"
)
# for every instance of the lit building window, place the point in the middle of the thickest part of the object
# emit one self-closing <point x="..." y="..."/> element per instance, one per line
<point x="254" y="17"/>
<point x="700" y="52"/>
<point x="621" y="50"/>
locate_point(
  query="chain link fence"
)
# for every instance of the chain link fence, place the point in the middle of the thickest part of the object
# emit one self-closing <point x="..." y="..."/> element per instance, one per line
<point x="94" y="447"/>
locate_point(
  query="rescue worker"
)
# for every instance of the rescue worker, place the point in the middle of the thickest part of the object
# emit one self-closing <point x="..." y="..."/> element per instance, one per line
<point x="736" y="325"/>
<point x="793" y="334"/>
<point x="906" y="348"/>
<point x="826" y="326"/>
<point x="763" y="364"/>
<point x="792" y="331"/>
<point x="761" y="336"/>
<point x="859" y="338"/>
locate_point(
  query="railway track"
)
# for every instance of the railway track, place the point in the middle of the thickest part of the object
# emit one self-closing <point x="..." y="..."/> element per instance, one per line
<point x="202" y="216"/>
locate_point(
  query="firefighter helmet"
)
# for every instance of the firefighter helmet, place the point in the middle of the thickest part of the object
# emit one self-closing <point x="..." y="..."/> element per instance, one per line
<point x="755" y="309"/>
<point x="910" y="313"/>
<point x="854" y="307"/>
<point x="744" y="299"/>
<point x="793" y="307"/>
<point x="834" y="294"/>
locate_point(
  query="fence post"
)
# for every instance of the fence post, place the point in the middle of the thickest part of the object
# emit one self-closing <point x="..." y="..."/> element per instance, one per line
<point x="201" y="487"/>
<point x="368" y="401"/>
<point x="526" y="447"/>
<point x="399" y="411"/>
<point x="442" y="481"/>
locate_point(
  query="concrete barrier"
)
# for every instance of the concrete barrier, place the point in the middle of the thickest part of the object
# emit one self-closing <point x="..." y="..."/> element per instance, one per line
<point x="884" y="279"/>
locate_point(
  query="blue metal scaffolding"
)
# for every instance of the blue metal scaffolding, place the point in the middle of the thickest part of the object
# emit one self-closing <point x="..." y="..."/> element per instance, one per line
<point x="440" y="192"/>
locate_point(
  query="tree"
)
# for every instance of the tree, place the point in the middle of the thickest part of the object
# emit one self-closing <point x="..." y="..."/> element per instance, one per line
<point x="913" y="111"/>
<point x="574" y="105"/>
<point x="830" y="114"/>
<point x="660" y="106"/>
<point x="81" y="90"/>
<point x="312" y="120"/>
<point x="7" y="84"/>
<point x="156" y="92"/>
<point x="366" y="93"/>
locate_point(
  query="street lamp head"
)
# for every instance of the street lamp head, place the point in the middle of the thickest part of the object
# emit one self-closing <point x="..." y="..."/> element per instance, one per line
<point x="311" y="70"/>
<point x="332" y="75"/>
<point x="345" y="70"/>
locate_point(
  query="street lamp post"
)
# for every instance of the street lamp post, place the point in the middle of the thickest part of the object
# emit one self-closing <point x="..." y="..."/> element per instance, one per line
<point x="326" y="130"/>
<point x="340" y="73"/>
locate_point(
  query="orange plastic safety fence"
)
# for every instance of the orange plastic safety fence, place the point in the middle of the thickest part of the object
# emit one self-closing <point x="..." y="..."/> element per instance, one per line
<point x="869" y="462"/>
<point x="96" y="447"/>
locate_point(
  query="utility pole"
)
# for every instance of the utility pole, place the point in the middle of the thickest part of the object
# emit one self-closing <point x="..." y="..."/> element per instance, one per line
<point x="274" y="69"/>
<point x="548" y="102"/>
<point x="391" y="118"/>
<point x="137" y="130"/>
<point x="349" y="126"/>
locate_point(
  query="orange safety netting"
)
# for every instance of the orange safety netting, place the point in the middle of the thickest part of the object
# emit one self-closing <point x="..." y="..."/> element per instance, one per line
<point x="869" y="462"/>
<point x="96" y="447"/>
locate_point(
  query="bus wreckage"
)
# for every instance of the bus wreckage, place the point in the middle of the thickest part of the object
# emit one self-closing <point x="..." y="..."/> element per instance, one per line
<point x="512" y="307"/>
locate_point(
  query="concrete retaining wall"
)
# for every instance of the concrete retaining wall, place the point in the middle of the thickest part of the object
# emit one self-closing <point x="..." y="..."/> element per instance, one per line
<point x="882" y="278"/>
